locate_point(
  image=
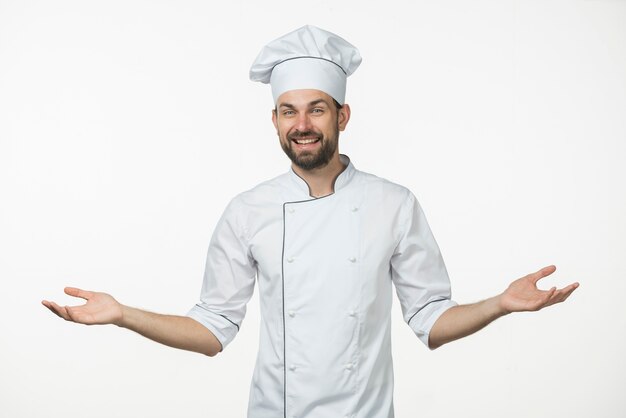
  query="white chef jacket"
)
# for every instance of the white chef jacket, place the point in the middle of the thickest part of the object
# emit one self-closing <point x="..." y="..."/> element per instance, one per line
<point x="324" y="268"/>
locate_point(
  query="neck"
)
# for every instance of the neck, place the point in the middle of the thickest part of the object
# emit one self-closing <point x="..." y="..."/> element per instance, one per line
<point x="321" y="181"/>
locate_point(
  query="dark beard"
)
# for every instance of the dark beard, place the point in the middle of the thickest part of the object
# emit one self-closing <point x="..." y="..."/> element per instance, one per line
<point x="310" y="160"/>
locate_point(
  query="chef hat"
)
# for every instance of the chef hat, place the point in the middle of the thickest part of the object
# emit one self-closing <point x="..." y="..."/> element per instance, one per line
<point x="307" y="58"/>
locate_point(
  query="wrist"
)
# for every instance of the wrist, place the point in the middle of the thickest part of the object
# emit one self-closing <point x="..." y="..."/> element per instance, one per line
<point x="123" y="319"/>
<point x="499" y="306"/>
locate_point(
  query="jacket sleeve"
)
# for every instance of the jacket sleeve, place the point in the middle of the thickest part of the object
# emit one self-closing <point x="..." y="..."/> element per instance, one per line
<point x="419" y="273"/>
<point x="229" y="278"/>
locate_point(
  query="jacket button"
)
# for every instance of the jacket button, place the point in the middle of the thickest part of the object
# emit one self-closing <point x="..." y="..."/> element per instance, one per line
<point x="292" y="368"/>
<point x="291" y="314"/>
<point x="290" y="260"/>
<point x="352" y="259"/>
<point x="355" y="209"/>
<point x="291" y="210"/>
<point x="352" y="313"/>
<point x="348" y="366"/>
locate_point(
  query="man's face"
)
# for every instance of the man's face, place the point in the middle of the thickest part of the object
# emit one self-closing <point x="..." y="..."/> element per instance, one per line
<point x="308" y="125"/>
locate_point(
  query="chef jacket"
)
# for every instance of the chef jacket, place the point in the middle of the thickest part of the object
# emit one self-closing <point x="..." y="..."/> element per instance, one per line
<point x="324" y="268"/>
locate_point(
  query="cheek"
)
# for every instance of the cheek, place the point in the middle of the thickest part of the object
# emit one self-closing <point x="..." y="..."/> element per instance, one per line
<point x="282" y="134"/>
<point x="283" y="127"/>
<point x="327" y="128"/>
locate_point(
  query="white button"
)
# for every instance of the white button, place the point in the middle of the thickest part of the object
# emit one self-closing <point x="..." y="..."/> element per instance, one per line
<point x="292" y="314"/>
<point x="349" y="366"/>
<point x="291" y="210"/>
<point x="290" y="260"/>
<point x="292" y="368"/>
<point x="352" y="259"/>
<point x="354" y="209"/>
<point x="352" y="313"/>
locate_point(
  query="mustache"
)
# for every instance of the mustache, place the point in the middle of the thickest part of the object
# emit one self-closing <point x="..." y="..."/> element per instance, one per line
<point x="304" y="134"/>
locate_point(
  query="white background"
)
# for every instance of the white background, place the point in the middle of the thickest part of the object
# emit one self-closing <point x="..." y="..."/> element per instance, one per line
<point x="126" y="127"/>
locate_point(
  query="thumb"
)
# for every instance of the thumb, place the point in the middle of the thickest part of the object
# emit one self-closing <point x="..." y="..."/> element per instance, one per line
<point x="79" y="293"/>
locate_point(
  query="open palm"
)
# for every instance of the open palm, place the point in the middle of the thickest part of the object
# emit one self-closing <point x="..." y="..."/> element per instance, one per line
<point x="100" y="308"/>
<point x="523" y="294"/>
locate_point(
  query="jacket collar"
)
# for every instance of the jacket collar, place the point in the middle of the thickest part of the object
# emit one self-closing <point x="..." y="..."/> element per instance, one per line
<point x="341" y="181"/>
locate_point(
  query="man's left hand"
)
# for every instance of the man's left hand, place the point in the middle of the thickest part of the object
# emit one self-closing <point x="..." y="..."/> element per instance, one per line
<point x="523" y="294"/>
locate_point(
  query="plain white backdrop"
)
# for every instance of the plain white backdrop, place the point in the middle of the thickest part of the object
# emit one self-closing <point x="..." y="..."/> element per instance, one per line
<point x="127" y="126"/>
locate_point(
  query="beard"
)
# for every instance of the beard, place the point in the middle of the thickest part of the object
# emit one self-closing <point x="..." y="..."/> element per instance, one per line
<point x="309" y="160"/>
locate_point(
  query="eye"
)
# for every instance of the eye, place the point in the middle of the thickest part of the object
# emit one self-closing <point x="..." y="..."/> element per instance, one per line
<point x="288" y="113"/>
<point x="317" y="110"/>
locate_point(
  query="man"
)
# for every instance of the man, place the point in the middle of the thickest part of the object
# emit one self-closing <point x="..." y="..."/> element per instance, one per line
<point x="324" y="242"/>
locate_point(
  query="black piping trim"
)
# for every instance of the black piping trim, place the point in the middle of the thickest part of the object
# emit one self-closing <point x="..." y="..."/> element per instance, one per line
<point x="317" y="58"/>
<point x="282" y="274"/>
<point x="208" y="310"/>
<point x="420" y="309"/>
<point x="310" y="192"/>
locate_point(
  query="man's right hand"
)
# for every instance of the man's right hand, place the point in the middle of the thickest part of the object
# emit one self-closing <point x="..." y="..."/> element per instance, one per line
<point x="100" y="308"/>
<point x="175" y="331"/>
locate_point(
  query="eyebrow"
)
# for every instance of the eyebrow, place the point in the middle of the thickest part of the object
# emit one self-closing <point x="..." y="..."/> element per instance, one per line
<point x="311" y="104"/>
<point x="318" y="101"/>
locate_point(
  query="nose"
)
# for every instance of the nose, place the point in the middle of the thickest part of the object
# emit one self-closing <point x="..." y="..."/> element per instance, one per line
<point x="303" y="123"/>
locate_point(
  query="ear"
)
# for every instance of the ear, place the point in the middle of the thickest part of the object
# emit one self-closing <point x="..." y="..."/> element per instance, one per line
<point x="343" y="117"/>
<point x="275" y="120"/>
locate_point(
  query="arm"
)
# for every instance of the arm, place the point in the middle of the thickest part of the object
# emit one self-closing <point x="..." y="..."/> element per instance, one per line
<point x="175" y="331"/>
<point x="521" y="295"/>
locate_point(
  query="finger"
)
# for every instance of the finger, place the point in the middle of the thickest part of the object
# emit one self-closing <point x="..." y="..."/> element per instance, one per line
<point x="540" y="274"/>
<point x="549" y="296"/>
<point x="50" y="308"/>
<point x="564" y="293"/>
<point x="60" y="311"/>
<point x="570" y="288"/>
<point x="561" y="294"/>
<point x="79" y="293"/>
<point x="70" y="314"/>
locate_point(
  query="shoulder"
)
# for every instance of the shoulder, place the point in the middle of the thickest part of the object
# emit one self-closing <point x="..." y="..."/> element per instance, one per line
<point x="262" y="201"/>
<point x="261" y="194"/>
<point x="383" y="188"/>
<point x="259" y="202"/>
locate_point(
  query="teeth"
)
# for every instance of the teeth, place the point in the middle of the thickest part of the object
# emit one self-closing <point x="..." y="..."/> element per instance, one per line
<point x="305" y="141"/>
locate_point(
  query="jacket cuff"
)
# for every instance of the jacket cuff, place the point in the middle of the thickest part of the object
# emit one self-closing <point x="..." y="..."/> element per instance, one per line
<point x="223" y="329"/>
<point x="422" y="322"/>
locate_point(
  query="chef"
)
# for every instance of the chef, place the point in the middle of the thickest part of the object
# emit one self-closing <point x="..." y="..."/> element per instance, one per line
<point x="325" y="243"/>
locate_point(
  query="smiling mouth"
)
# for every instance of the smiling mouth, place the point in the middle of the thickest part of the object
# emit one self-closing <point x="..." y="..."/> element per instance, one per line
<point x="305" y="141"/>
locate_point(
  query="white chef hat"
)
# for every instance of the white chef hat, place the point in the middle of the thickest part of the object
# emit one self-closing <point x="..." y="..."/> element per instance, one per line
<point x="307" y="58"/>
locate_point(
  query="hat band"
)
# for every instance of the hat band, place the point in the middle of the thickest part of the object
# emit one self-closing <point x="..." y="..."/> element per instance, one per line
<point x="309" y="73"/>
<point x="316" y="58"/>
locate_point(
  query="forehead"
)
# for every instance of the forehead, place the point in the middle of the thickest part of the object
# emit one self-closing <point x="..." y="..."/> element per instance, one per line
<point x="302" y="97"/>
